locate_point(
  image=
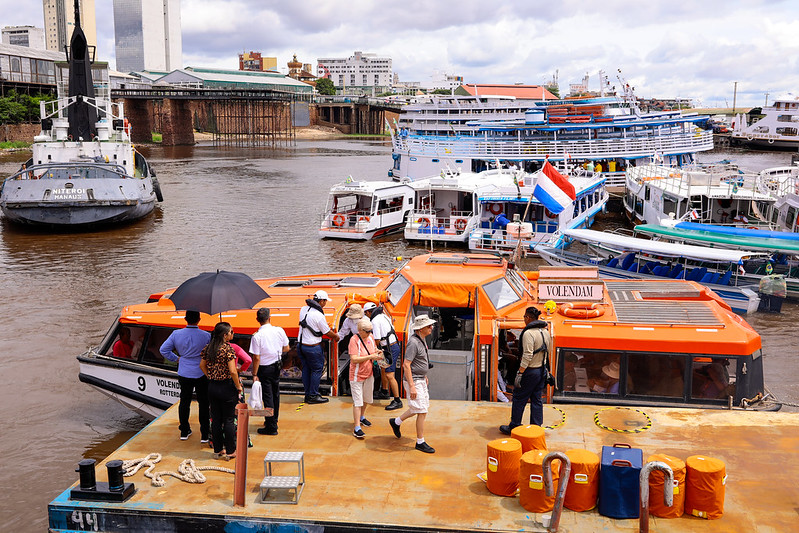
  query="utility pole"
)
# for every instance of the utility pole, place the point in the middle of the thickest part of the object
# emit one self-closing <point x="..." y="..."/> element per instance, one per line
<point x="765" y="104"/>
<point x="734" y="97"/>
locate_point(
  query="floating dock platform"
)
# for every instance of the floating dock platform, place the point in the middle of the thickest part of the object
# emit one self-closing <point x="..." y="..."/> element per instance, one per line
<point x="383" y="483"/>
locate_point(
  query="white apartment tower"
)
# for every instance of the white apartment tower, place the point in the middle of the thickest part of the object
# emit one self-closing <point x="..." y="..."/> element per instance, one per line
<point x="29" y="36"/>
<point x="359" y="72"/>
<point x="59" y="21"/>
<point x="147" y="35"/>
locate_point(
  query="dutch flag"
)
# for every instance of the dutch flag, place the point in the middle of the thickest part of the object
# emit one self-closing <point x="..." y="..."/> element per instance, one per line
<point x="553" y="190"/>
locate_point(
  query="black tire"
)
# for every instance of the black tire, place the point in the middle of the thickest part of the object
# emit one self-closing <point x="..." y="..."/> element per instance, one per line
<point x="157" y="190"/>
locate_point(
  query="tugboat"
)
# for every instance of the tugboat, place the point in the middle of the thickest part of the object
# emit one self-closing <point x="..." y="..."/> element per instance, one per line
<point x="84" y="171"/>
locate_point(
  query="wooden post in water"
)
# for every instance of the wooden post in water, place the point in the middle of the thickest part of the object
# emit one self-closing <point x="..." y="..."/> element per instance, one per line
<point x="243" y="413"/>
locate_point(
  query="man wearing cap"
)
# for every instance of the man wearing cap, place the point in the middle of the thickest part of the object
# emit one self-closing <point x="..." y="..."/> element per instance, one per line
<point x="267" y="347"/>
<point x="529" y="381"/>
<point x="415" y="367"/>
<point x="383" y="332"/>
<point x="313" y="327"/>
<point x="185" y="346"/>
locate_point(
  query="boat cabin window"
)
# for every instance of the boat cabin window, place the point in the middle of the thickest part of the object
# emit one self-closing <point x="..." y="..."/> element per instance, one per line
<point x="126" y="343"/>
<point x="397" y="289"/>
<point x="501" y="293"/>
<point x="787" y="131"/>
<point x="359" y="282"/>
<point x="152" y="353"/>
<point x="670" y="204"/>
<point x="711" y="379"/>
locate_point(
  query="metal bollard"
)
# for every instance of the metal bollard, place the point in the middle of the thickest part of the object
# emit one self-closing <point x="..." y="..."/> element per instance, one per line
<point x="565" y="470"/>
<point x="87" y="479"/>
<point x="668" y="491"/>
<point x="116" y="479"/>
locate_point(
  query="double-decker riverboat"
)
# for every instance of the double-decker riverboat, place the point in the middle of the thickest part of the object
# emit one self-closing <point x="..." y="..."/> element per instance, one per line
<point x="671" y="339"/>
<point x="777" y="129"/>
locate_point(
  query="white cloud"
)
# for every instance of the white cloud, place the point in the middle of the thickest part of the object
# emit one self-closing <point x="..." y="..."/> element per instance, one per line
<point x="664" y="48"/>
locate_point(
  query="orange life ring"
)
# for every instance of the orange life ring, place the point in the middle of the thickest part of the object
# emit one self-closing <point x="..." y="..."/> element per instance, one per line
<point x="339" y="220"/>
<point x="549" y="213"/>
<point x="582" y="310"/>
<point x="423" y="222"/>
<point x="363" y="218"/>
<point x="460" y="224"/>
<point x="495" y="208"/>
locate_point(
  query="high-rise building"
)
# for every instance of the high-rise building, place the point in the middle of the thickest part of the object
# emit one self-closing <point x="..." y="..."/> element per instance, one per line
<point x="29" y="36"/>
<point x="359" y="72"/>
<point x="59" y="22"/>
<point x="147" y="35"/>
<point x="254" y="61"/>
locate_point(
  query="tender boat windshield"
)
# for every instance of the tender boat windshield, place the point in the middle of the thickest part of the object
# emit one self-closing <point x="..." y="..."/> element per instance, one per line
<point x="397" y="289"/>
<point x="501" y="292"/>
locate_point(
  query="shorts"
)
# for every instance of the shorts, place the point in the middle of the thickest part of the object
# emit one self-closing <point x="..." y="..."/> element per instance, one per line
<point x="362" y="391"/>
<point x="395" y="353"/>
<point x="422" y="402"/>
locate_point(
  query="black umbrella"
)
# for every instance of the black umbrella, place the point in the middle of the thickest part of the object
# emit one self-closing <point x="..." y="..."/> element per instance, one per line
<point x="214" y="292"/>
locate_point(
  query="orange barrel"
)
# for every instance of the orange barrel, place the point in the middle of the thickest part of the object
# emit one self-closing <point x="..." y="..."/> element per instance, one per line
<point x="705" y="478"/>
<point x="502" y="466"/>
<point x="656" y="480"/>
<point x="532" y="493"/>
<point x="531" y="437"/>
<point x="583" y="487"/>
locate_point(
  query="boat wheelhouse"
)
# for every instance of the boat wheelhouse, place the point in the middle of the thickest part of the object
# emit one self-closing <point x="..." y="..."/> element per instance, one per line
<point x="713" y="194"/>
<point x="362" y="210"/>
<point x="778" y="128"/>
<point x="478" y="302"/>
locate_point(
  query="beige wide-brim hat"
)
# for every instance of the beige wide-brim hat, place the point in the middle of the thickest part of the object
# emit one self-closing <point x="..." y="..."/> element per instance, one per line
<point x="422" y="321"/>
<point x="611" y="370"/>
<point x="355" y="311"/>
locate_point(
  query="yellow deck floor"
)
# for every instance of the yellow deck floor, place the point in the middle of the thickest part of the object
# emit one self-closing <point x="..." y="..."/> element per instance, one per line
<point x="384" y="481"/>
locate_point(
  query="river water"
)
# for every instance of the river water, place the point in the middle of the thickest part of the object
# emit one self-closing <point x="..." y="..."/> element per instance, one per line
<point x="250" y="210"/>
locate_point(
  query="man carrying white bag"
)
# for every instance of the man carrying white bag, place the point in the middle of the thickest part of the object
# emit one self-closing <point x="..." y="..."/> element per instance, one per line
<point x="267" y="347"/>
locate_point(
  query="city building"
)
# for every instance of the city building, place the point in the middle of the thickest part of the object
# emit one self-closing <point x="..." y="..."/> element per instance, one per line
<point x="254" y="61"/>
<point x="29" y="36"/>
<point x="59" y="22"/>
<point x="442" y="80"/>
<point x="301" y="71"/>
<point x="518" y="91"/>
<point x="147" y="35"/>
<point x="359" y="73"/>
<point x="28" y="70"/>
<point x="207" y="78"/>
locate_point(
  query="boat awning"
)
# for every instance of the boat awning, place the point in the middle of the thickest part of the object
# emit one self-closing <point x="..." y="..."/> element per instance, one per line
<point x="746" y="241"/>
<point x="666" y="249"/>
<point x="742" y="232"/>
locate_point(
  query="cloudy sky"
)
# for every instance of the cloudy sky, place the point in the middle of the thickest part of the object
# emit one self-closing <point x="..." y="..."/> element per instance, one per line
<point x="664" y="48"/>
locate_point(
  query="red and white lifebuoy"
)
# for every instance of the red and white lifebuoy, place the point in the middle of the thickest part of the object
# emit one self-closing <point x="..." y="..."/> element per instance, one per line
<point x="423" y="222"/>
<point x="495" y="208"/>
<point x="460" y="224"/>
<point x="549" y="213"/>
<point x="582" y="310"/>
<point x="363" y="218"/>
<point x="339" y="220"/>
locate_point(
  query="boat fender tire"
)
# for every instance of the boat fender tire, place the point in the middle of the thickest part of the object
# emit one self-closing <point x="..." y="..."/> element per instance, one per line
<point x="582" y="310"/>
<point x="771" y="141"/>
<point x="339" y="220"/>
<point x="750" y="137"/>
<point x="157" y="190"/>
<point x="495" y="208"/>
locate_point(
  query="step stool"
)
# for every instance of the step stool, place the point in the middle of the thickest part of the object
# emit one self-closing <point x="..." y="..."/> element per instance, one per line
<point x="292" y="484"/>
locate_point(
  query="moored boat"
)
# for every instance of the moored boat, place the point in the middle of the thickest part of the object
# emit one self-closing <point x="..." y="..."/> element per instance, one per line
<point x="84" y="170"/>
<point x="777" y="129"/>
<point x="478" y="301"/>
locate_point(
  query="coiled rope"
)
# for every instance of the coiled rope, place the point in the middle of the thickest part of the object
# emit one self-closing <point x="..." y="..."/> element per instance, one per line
<point x="187" y="470"/>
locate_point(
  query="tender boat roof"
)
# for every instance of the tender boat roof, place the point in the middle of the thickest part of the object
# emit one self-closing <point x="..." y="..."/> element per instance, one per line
<point x="668" y="249"/>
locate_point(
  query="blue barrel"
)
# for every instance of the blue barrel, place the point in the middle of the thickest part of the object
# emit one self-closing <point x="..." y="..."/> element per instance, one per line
<point x="619" y="481"/>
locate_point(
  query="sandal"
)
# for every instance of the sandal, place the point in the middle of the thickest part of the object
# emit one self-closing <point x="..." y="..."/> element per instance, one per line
<point x="232" y="456"/>
<point x="222" y="456"/>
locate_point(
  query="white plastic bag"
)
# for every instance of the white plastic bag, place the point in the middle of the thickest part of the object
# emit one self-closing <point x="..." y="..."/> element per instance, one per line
<point x="255" y="401"/>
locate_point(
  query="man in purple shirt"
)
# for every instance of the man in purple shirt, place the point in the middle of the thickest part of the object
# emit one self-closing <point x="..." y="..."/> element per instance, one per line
<point x="184" y="346"/>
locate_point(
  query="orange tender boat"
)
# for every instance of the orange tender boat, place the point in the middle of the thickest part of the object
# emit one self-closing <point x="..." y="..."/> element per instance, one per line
<point x="655" y="343"/>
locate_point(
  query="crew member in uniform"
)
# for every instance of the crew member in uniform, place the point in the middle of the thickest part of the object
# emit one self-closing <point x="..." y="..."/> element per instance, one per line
<point x="384" y="334"/>
<point x="529" y="381"/>
<point x="267" y="347"/>
<point x="313" y="327"/>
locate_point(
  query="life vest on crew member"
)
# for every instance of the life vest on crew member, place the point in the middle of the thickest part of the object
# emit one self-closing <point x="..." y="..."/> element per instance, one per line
<point x="312" y="304"/>
<point x="535" y="324"/>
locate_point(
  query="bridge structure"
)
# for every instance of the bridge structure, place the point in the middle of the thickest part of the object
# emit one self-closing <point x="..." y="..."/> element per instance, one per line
<point x="247" y="117"/>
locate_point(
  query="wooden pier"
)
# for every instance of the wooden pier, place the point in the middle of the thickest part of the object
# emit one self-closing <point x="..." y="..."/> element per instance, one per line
<point x="382" y="483"/>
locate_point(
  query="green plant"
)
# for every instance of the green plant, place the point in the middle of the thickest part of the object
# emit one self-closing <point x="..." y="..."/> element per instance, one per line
<point x="157" y="137"/>
<point x="325" y="86"/>
<point x="14" y="144"/>
<point x="16" y="108"/>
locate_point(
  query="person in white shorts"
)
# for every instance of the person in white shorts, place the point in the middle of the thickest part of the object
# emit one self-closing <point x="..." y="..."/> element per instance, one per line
<point x="414" y="370"/>
<point x="363" y="350"/>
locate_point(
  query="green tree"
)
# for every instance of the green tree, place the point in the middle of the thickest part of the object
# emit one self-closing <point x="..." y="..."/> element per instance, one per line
<point x="554" y="89"/>
<point x="441" y="91"/>
<point x="325" y="86"/>
<point x="16" y="108"/>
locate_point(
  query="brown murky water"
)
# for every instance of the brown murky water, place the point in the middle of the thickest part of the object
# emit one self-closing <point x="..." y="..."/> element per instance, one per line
<point x="255" y="211"/>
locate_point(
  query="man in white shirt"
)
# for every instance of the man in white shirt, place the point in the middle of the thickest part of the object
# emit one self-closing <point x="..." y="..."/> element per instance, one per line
<point x="267" y="346"/>
<point x="313" y="327"/>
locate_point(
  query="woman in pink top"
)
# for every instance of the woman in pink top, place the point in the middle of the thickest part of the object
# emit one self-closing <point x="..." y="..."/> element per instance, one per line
<point x="363" y="350"/>
<point x="244" y="358"/>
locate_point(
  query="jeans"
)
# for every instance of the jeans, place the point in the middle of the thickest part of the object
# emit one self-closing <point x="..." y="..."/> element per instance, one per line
<point x="531" y="389"/>
<point x="223" y="397"/>
<point x="269" y="375"/>
<point x="313" y="364"/>
<point x="188" y="386"/>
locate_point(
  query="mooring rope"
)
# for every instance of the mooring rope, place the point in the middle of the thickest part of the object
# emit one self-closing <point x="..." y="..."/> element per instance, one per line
<point x="188" y="471"/>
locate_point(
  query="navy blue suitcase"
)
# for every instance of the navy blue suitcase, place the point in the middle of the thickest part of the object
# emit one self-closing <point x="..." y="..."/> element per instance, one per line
<point x="619" y="471"/>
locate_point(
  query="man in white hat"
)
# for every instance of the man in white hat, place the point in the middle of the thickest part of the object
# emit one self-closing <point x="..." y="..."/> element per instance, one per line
<point x="313" y="327"/>
<point x="415" y="367"/>
<point x="387" y="339"/>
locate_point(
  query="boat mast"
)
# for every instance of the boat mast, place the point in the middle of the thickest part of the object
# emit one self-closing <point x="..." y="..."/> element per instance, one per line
<point x="81" y="115"/>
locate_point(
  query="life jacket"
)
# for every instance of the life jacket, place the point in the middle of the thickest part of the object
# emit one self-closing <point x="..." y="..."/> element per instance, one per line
<point x="380" y="311"/>
<point x="312" y="304"/>
<point x="532" y="325"/>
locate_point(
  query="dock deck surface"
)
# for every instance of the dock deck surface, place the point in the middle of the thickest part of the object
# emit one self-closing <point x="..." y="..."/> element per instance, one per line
<point x="382" y="483"/>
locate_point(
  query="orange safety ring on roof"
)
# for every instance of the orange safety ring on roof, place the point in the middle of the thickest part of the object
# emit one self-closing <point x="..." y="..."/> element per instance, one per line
<point x="582" y="310"/>
<point x="363" y="218"/>
<point x="460" y="224"/>
<point x="495" y="208"/>
<point x="339" y="220"/>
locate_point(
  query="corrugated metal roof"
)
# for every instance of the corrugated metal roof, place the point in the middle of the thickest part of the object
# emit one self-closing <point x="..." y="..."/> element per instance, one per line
<point x="238" y="77"/>
<point x="526" y="92"/>
<point x="36" y="53"/>
<point x="639" y="309"/>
